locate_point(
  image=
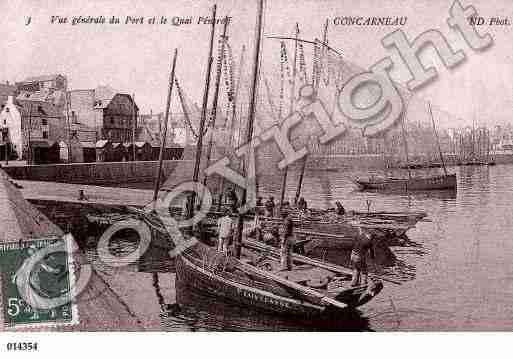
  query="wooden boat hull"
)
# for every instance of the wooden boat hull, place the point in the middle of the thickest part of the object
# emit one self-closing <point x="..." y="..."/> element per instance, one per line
<point x="193" y="277"/>
<point x="413" y="184"/>
<point x="244" y="290"/>
<point x="343" y="230"/>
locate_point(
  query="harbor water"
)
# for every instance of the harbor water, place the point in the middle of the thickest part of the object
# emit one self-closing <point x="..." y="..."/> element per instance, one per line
<point x="455" y="274"/>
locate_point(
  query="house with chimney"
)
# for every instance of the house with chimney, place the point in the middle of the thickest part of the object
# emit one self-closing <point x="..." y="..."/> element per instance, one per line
<point x="32" y="129"/>
<point x="102" y="113"/>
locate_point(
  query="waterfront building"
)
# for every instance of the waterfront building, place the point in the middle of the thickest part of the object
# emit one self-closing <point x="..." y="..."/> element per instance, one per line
<point x="37" y="122"/>
<point x="10" y="125"/>
<point x="6" y="90"/>
<point x="103" y="113"/>
<point x="178" y="132"/>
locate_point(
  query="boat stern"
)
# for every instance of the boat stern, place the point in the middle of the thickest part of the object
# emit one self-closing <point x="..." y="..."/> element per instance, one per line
<point x="359" y="295"/>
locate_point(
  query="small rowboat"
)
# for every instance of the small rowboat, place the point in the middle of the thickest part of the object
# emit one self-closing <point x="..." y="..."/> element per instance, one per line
<point x="443" y="182"/>
<point x="309" y="289"/>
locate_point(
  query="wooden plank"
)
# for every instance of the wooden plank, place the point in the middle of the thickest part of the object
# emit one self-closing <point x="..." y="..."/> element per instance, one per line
<point x="321" y="298"/>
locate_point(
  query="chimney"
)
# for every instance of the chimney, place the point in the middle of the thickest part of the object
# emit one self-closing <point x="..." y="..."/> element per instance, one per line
<point x="10" y="100"/>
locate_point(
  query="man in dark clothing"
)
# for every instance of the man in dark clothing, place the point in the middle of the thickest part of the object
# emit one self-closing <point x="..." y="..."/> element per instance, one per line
<point x="363" y="243"/>
<point x="340" y="210"/>
<point x="269" y="207"/>
<point x="286" y="242"/>
<point x="233" y="200"/>
<point x="302" y="205"/>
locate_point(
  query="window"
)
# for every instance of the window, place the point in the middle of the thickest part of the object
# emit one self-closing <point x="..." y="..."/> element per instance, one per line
<point x="45" y="134"/>
<point x="44" y="122"/>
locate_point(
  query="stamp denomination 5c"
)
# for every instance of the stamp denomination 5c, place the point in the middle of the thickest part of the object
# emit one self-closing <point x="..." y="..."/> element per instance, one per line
<point x="37" y="283"/>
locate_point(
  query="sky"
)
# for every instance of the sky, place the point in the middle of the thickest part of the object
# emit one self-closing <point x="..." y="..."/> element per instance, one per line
<point x="135" y="58"/>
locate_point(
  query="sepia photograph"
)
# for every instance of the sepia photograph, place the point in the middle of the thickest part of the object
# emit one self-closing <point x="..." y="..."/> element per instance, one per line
<point x="266" y="165"/>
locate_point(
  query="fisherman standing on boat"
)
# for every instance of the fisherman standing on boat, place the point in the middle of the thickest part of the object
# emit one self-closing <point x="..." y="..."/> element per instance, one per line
<point x="233" y="200"/>
<point x="269" y="207"/>
<point x="362" y="244"/>
<point x="225" y="228"/>
<point x="302" y="205"/>
<point x="340" y="210"/>
<point x="287" y="240"/>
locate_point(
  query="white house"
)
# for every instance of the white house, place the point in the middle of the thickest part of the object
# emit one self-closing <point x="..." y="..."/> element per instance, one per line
<point x="10" y="124"/>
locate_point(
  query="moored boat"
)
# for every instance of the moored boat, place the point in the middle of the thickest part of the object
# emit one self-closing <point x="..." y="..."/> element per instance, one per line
<point x="441" y="182"/>
<point x="306" y="290"/>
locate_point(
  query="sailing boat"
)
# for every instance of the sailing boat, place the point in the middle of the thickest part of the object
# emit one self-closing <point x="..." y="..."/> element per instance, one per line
<point x="441" y="182"/>
<point x="309" y="290"/>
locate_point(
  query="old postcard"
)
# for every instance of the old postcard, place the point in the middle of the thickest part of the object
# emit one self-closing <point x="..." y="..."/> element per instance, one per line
<point x="266" y="165"/>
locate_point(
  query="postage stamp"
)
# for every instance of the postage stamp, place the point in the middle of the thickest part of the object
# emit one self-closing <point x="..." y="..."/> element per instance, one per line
<point x="38" y="283"/>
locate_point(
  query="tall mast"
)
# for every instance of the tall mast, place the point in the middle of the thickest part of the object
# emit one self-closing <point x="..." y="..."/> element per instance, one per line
<point x="234" y="115"/>
<point x="474" y="136"/>
<point x="292" y="95"/>
<point x="29" y="131"/>
<point x="164" y="135"/>
<point x="294" y="71"/>
<point x="251" y="114"/>
<point x="405" y="142"/>
<point x="197" y="160"/>
<point x="66" y="99"/>
<point x="133" y="125"/>
<point x="437" y="139"/>
<point x="254" y="85"/>
<point x="269" y="98"/>
<point x="185" y="109"/>
<point x="316" y="89"/>
<point x="385" y="157"/>
<point x="236" y="95"/>
<point x="216" y="96"/>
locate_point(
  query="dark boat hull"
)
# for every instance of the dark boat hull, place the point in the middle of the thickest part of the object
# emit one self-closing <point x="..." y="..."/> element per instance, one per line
<point x="246" y="288"/>
<point x="193" y="277"/>
<point x="414" y="184"/>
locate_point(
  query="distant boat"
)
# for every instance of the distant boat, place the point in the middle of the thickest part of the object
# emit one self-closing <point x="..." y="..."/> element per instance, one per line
<point x="442" y="182"/>
<point x="420" y="165"/>
<point x="478" y="163"/>
<point x="412" y="183"/>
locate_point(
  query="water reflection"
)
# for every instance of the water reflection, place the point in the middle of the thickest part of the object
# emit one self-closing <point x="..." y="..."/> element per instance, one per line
<point x="455" y="270"/>
<point x="195" y="311"/>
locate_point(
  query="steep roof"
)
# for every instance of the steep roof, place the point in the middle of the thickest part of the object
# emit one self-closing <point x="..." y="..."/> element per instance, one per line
<point x="103" y="95"/>
<point x="104" y="103"/>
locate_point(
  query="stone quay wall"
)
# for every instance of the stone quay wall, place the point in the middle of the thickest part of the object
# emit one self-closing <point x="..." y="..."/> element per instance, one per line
<point x="97" y="173"/>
